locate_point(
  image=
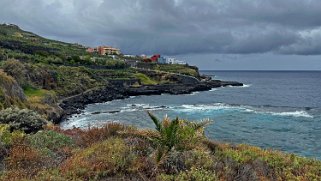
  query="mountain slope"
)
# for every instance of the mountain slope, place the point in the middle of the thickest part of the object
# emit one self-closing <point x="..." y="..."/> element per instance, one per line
<point x="13" y="38"/>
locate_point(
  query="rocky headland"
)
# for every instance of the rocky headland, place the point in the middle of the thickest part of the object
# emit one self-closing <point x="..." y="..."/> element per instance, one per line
<point x="75" y="104"/>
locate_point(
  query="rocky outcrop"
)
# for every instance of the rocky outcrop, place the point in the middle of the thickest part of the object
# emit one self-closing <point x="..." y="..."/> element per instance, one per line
<point x="76" y="104"/>
<point x="167" y="76"/>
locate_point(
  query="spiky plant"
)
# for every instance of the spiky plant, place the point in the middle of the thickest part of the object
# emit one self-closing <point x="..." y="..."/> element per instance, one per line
<point x="174" y="134"/>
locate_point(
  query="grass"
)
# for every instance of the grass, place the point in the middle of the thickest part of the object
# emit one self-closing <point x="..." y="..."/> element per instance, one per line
<point x="182" y="69"/>
<point x="145" y="79"/>
<point x="34" y="92"/>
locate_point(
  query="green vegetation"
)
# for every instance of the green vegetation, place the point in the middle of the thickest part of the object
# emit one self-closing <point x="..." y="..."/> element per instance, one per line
<point x="175" y="68"/>
<point x="176" y="134"/>
<point x="27" y="46"/>
<point x="145" y="79"/>
<point x="172" y="68"/>
<point x="22" y="119"/>
<point x="118" y="152"/>
<point x="30" y="92"/>
<point x="7" y="137"/>
<point x="49" y="142"/>
<point x="11" y="93"/>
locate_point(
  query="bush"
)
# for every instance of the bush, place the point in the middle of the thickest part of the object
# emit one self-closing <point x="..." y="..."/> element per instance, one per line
<point x="85" y="138"/>
<point x="192" y="175"/>
<point x="175" y="162"/>
<point x="17" y="70"/>
<point x="10" y="92"/>
<point x="9" y="138"/>
<point x="50" y="175"/>
<point x="51" y="143"/>
<point x="100" y="160"/>
<point x="23" y="157"/>
<point x="22" y="119"/>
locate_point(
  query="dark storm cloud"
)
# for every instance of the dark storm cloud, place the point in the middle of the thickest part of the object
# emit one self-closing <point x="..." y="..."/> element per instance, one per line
<point x="176" y="26"/>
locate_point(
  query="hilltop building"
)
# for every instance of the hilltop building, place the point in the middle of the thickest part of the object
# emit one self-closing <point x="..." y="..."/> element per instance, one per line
<point x="104" y="50"/>
<point x="170" y="60"/>
<point x="155" y="58"/>
<point x="107" y="50"/>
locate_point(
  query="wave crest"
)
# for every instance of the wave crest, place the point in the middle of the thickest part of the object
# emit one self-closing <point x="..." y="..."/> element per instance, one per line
<point x="242" y="108"/>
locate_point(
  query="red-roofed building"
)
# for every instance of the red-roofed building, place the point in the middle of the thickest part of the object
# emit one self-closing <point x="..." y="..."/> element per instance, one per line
<point x="155" y="58"/>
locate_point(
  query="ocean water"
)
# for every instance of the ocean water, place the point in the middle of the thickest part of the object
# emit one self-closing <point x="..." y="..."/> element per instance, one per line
<point x="279" y="110"/>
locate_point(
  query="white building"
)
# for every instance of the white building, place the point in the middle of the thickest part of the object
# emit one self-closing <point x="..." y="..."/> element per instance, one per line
<point x="171" y="60"/>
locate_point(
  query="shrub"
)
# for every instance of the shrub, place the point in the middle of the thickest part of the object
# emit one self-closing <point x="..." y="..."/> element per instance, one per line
<point x="3" y="154"/>
<point x="85" y="138"/>
<point x="100" y="160"/>
<point x="17" y="70"/>
<point x="51" y="143"/>
<point x="192" y="175"/>
<point x="51" y="175"/>
<point x="175" y="162"/>
<point x="248" y="161"/>
<point x="22" y="119"/>
<point x="11" y="94"/>
<point x="24" y="157"/>
<point x="8" y="138"/>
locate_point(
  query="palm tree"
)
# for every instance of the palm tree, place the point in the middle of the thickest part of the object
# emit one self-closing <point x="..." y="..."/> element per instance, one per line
<point x="174" y="134"/>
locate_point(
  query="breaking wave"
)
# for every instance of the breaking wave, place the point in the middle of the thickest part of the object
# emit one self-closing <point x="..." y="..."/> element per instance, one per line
<point x="241" y="108"/>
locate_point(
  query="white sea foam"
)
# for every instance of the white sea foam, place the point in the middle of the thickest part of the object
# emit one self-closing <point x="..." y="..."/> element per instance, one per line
<point x="194" y="93"/>
<point x="246" y="85"/>
<point x="294" y="114"/>
<point x="73" y="122"/>
<point x="213" y="89"/>
<point x="140" y="107"/>
<point x="241" y="108"/>
<point x="216" y="106"/>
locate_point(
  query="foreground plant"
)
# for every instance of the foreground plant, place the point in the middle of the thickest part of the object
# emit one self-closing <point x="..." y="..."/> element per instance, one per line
<point x="175" y="134"/>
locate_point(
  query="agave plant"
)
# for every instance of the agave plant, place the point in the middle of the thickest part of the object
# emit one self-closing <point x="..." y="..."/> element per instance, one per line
<point x="175" y="134"/>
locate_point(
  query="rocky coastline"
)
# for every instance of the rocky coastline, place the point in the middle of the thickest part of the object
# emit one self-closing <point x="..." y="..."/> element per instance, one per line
<point x="76" y="104"/>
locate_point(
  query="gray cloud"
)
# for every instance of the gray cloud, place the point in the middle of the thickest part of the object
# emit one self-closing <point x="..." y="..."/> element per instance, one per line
<point x="176" y="26"/>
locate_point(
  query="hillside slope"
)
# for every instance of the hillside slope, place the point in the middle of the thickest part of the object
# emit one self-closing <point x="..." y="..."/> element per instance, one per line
<point x="17" y="43"/>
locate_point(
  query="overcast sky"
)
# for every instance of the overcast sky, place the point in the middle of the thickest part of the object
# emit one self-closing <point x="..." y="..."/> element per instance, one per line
<point x="213" y="34"/>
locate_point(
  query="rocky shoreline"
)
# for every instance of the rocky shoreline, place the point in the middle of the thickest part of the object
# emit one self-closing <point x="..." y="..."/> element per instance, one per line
<point x="75" y="104"/>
